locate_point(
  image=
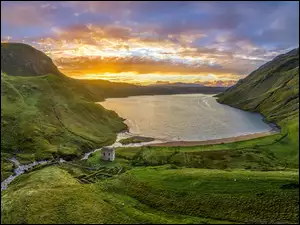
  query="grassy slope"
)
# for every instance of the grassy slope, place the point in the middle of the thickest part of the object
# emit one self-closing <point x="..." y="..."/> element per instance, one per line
<point x="135" y="139"/>
<point x="49" y="116"/>
<point x="267" y="153"/>
<point x="273" y="90"/>
<point x="51" y="195"/>
<point x="45" y="114"/>
<point x="239" y="196"/>
<point x="152" y="195"/>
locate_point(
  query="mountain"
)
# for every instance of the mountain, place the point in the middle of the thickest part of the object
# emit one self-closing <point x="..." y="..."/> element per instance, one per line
<point x="178" y="84"/>
<point x="114" y="89"/>
<point x="182" y="88"/>
<point x="44" y="114"/>
<point x="19" y="59"/>
<point x="272" y="89"/>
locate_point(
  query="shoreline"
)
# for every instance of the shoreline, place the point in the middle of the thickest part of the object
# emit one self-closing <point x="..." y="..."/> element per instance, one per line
<point x="275" y="129"/>
<point x="146" y="95"/>
<point x="217" y="141"/>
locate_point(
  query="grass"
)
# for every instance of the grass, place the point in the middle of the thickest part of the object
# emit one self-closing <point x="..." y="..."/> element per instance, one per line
<point x="276" y="152"/>
<point x="235" y="195"/>
<point x="152" y="195"/>
<point x="95" y="160"/>
<point x="52" y="195"/>
<point x="49" y="116"/>
<point x="135" y="139"/>
<point x="7" y="169"/>
<point x="272" y="89"/>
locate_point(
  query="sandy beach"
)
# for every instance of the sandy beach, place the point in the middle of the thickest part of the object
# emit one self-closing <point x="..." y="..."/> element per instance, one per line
<point x="218" y="141"/>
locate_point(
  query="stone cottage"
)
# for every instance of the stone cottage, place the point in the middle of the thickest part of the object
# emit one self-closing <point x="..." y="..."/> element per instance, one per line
<point x="108" y="153"/>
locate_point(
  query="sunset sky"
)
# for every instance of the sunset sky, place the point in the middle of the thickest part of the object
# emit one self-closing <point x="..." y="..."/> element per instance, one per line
<point x="214" y="43"/>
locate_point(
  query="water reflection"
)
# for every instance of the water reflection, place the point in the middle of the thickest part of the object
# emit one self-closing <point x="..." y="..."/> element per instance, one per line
<point x="189" y="117"/>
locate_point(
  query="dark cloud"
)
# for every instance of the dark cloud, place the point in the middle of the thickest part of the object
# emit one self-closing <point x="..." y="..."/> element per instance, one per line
<point x="23" y="14"/>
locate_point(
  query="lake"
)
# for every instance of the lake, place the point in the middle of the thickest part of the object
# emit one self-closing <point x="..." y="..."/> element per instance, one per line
<point x="184" y="117"/>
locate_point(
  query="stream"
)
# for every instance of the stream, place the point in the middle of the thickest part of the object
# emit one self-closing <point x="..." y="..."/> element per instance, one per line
<point x="117" y="143"/>
<point x="122" y="135"/>
<point x="22" y="168"/>
<point x="19" y="170"/>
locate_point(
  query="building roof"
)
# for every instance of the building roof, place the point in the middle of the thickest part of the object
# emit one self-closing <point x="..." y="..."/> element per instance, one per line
<point x="110" y="149"/>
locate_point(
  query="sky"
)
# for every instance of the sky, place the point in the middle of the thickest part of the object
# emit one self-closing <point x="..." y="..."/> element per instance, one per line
<point x="144" y="42"/>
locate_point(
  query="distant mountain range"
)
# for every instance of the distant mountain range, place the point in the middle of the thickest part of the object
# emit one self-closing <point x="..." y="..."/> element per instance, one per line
<point x="177" y="84"/>
<point x="215" y="84"/>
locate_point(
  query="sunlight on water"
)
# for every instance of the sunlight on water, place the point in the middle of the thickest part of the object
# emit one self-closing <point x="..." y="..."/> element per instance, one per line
<point x="188" y="117"/>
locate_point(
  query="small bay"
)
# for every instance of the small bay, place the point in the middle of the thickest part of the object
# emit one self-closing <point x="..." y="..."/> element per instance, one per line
<point x="184" y="117"/>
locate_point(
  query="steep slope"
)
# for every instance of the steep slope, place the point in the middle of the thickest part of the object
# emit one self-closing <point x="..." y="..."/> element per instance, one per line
<point x="19" y="59"/>
<point x="272" y="89"/>
<point x="48" y="115"/>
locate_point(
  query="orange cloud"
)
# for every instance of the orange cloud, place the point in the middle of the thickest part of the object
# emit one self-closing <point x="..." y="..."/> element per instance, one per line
<point x="78" y="66"/>
<point x="90" y="50"/>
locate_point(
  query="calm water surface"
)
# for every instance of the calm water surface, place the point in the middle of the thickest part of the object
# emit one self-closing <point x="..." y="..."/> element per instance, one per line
<point x="187" y="117"/>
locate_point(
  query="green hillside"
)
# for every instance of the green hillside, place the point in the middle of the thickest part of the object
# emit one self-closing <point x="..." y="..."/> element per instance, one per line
<point x="47" y="115"/>
<point x="44" y="115"/>
<point x="272" y="89"/>
<point x="153" y="195"/>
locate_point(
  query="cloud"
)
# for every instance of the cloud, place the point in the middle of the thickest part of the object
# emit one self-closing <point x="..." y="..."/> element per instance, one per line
<point x="283" y="28"/>
<point x="228" y="39"/>
<point x="114" y="8"/>
<point x="79" y="65"/>
<point x="26" y="14"/>
<point x="114" y="48"/>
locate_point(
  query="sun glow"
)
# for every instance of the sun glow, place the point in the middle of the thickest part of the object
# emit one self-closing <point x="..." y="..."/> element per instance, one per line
<point x="146" y="79"/>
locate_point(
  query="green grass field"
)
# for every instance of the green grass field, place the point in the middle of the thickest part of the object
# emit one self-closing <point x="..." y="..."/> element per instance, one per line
<point x="51" y="195"/>
<point x="135" y="139"/>
<point x="234" y="195"/>
<point x="274" y="152"/>
<point x="153" y="195"/>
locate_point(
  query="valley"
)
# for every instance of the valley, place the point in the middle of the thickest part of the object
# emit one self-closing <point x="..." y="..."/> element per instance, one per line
<point x="49" y="116"/>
